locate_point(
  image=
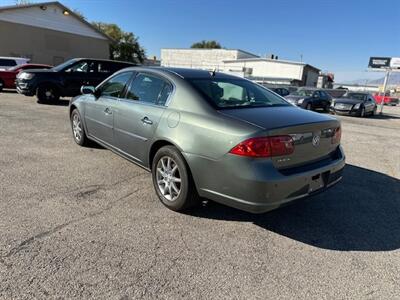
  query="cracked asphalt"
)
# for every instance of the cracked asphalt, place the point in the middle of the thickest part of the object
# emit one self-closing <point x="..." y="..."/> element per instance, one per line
<point x="83" y="223"/>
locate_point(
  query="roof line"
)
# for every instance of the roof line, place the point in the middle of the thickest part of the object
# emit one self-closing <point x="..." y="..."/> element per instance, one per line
<point x="229" y="49"/>
<point x="10" y="7"/>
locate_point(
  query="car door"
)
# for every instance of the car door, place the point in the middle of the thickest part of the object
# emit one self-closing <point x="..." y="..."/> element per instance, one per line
<point x="369" y="104"/>
<point x="316" y="99"/>
<point x="139" y="114"/>
<point x="325" y="99"/>
<point x="80" y="73"/>
<point x="100" y="112"/>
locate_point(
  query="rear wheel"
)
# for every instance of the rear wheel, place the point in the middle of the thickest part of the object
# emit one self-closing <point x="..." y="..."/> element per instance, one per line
<point x="1" y="85"/>
<point x="172" y="180"/>
<point x="47" y="93"/>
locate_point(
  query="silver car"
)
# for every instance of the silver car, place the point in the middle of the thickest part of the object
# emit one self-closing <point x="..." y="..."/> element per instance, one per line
<point x="211" y="135"/>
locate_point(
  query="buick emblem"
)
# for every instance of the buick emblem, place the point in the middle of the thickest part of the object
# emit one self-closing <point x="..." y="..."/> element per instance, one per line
<point x="315" y="140"/>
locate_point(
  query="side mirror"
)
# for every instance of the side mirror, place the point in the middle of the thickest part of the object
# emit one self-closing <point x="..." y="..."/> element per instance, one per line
<point x="86" y="90"/>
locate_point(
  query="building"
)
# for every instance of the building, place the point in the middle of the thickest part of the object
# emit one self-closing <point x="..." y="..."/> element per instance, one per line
<point x="269" y="71"/>
<point x="201" y="58"/>
<point x="49" y="33"/>
<point x="273" y="71"/>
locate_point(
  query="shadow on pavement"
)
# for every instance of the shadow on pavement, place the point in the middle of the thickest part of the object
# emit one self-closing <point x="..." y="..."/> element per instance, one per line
<point x="60" y="102"/>
<point x="361" y="213"/>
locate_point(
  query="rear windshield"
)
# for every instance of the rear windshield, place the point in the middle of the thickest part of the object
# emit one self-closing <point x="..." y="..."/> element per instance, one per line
<point x="231" y="93"/>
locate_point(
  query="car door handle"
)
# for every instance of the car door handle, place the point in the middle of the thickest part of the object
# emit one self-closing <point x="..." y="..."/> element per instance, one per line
<point x="146" y="120"/>
<point x="108" y="111"/>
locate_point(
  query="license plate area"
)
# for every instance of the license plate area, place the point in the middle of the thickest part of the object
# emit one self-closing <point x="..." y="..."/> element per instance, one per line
<point x="318" y="181"/>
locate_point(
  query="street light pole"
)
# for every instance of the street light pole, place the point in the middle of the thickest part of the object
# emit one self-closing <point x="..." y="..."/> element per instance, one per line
<point x="384" y="90"/>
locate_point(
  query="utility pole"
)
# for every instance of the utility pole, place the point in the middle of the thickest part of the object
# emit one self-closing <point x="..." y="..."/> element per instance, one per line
<point x="384" y="90"/>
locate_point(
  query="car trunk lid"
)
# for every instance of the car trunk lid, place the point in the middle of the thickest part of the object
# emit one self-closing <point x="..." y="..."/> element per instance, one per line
<point x="311" y="132"/>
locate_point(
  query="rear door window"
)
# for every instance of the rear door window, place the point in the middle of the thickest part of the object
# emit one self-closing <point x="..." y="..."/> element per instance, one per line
<point x="150" y="89"/>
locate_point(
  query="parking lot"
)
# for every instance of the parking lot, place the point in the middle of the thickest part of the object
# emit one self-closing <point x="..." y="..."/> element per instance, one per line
<point x="84" y="223"/>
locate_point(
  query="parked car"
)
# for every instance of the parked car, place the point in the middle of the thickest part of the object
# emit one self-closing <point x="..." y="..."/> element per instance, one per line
<point x="354" y="104"/>
<point x="211" y="135"/>
<point x="8" y="77"/>
<point x="310" y="99"/>
<point x="387" y="99"/>
<point x="65" y="80"/>
<point x="9" y="62"/>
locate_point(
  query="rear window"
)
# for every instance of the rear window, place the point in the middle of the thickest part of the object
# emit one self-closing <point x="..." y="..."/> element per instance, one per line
<point x="231" y="93"/>
<point x="7" y="62"/>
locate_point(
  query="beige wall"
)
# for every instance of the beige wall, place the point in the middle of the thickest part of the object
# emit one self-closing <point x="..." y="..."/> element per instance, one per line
<point x="48" y="46"/>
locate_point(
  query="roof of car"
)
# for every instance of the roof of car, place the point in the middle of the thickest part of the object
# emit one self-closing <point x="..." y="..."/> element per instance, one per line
<point x="104" y="59"/>
<point x="188" y="73"/>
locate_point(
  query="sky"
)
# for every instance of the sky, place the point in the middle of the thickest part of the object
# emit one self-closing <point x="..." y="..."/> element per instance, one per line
<point x="334" y="35"/>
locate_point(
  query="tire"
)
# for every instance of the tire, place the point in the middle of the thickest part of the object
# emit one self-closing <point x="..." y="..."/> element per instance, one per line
<point x="78" y="130"/>
<point x="308" y="106"/>
<point x="362" y="112"/>
<point x="1" y="85"/>
<point x="373" y="112"/>
<point x="168" y="167"/>
<point x="47" y="94"/>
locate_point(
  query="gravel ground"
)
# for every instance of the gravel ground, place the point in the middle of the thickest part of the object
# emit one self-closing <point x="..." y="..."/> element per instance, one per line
<point x="84" y="223"/>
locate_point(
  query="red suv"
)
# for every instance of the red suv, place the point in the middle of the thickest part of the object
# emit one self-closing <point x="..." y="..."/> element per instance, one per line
<point x="7" y="77"/>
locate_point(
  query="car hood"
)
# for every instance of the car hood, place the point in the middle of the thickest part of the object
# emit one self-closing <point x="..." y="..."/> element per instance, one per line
<point x="347" y="101"/>
<point x="276" y="117"/>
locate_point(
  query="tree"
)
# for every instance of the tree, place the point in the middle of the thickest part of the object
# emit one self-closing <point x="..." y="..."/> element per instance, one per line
<point x="22" y="2"/>
<point x="125" y="45"/>
<point x="207" y="45"/>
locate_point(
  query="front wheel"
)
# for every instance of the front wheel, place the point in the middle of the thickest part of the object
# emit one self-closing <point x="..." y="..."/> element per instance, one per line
<point x="362" y="113"/>
<point x="78" y="131"/>
<point x="47" y="93"/>
<point x="308" y="107"/>
<point x="172" y="180"/>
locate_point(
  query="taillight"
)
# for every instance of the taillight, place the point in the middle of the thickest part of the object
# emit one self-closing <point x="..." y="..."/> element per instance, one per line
<point x="265" y="146"/>
<point x="336" y="136"/>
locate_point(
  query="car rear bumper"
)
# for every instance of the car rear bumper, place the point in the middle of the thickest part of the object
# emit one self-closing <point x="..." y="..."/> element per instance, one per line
<point x="256" y="186"/>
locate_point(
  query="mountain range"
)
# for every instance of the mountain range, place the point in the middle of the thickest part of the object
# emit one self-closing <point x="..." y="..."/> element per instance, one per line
<point x="394" y="79"/>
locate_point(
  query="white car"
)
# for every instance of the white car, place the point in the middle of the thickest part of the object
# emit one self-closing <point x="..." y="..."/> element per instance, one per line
<point x="9" y="62"/>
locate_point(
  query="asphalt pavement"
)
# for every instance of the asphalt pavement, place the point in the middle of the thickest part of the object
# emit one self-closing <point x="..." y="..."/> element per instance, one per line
<point x="83" y="223"/>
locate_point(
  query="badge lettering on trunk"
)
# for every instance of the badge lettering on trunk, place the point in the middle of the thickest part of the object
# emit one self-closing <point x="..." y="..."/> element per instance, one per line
<point x="315" y="140"/>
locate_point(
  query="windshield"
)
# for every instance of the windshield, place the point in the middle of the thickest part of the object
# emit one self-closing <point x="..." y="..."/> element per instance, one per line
<point x="64" y="65"/>
<point x="303" y="93"/>
<point x="361" y="97"/>
<point x="229" y="93"/>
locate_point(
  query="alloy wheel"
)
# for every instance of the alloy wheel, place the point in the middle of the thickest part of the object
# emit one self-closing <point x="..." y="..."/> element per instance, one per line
<point x="168" y="178"/>
<point x="77" y="127"/>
